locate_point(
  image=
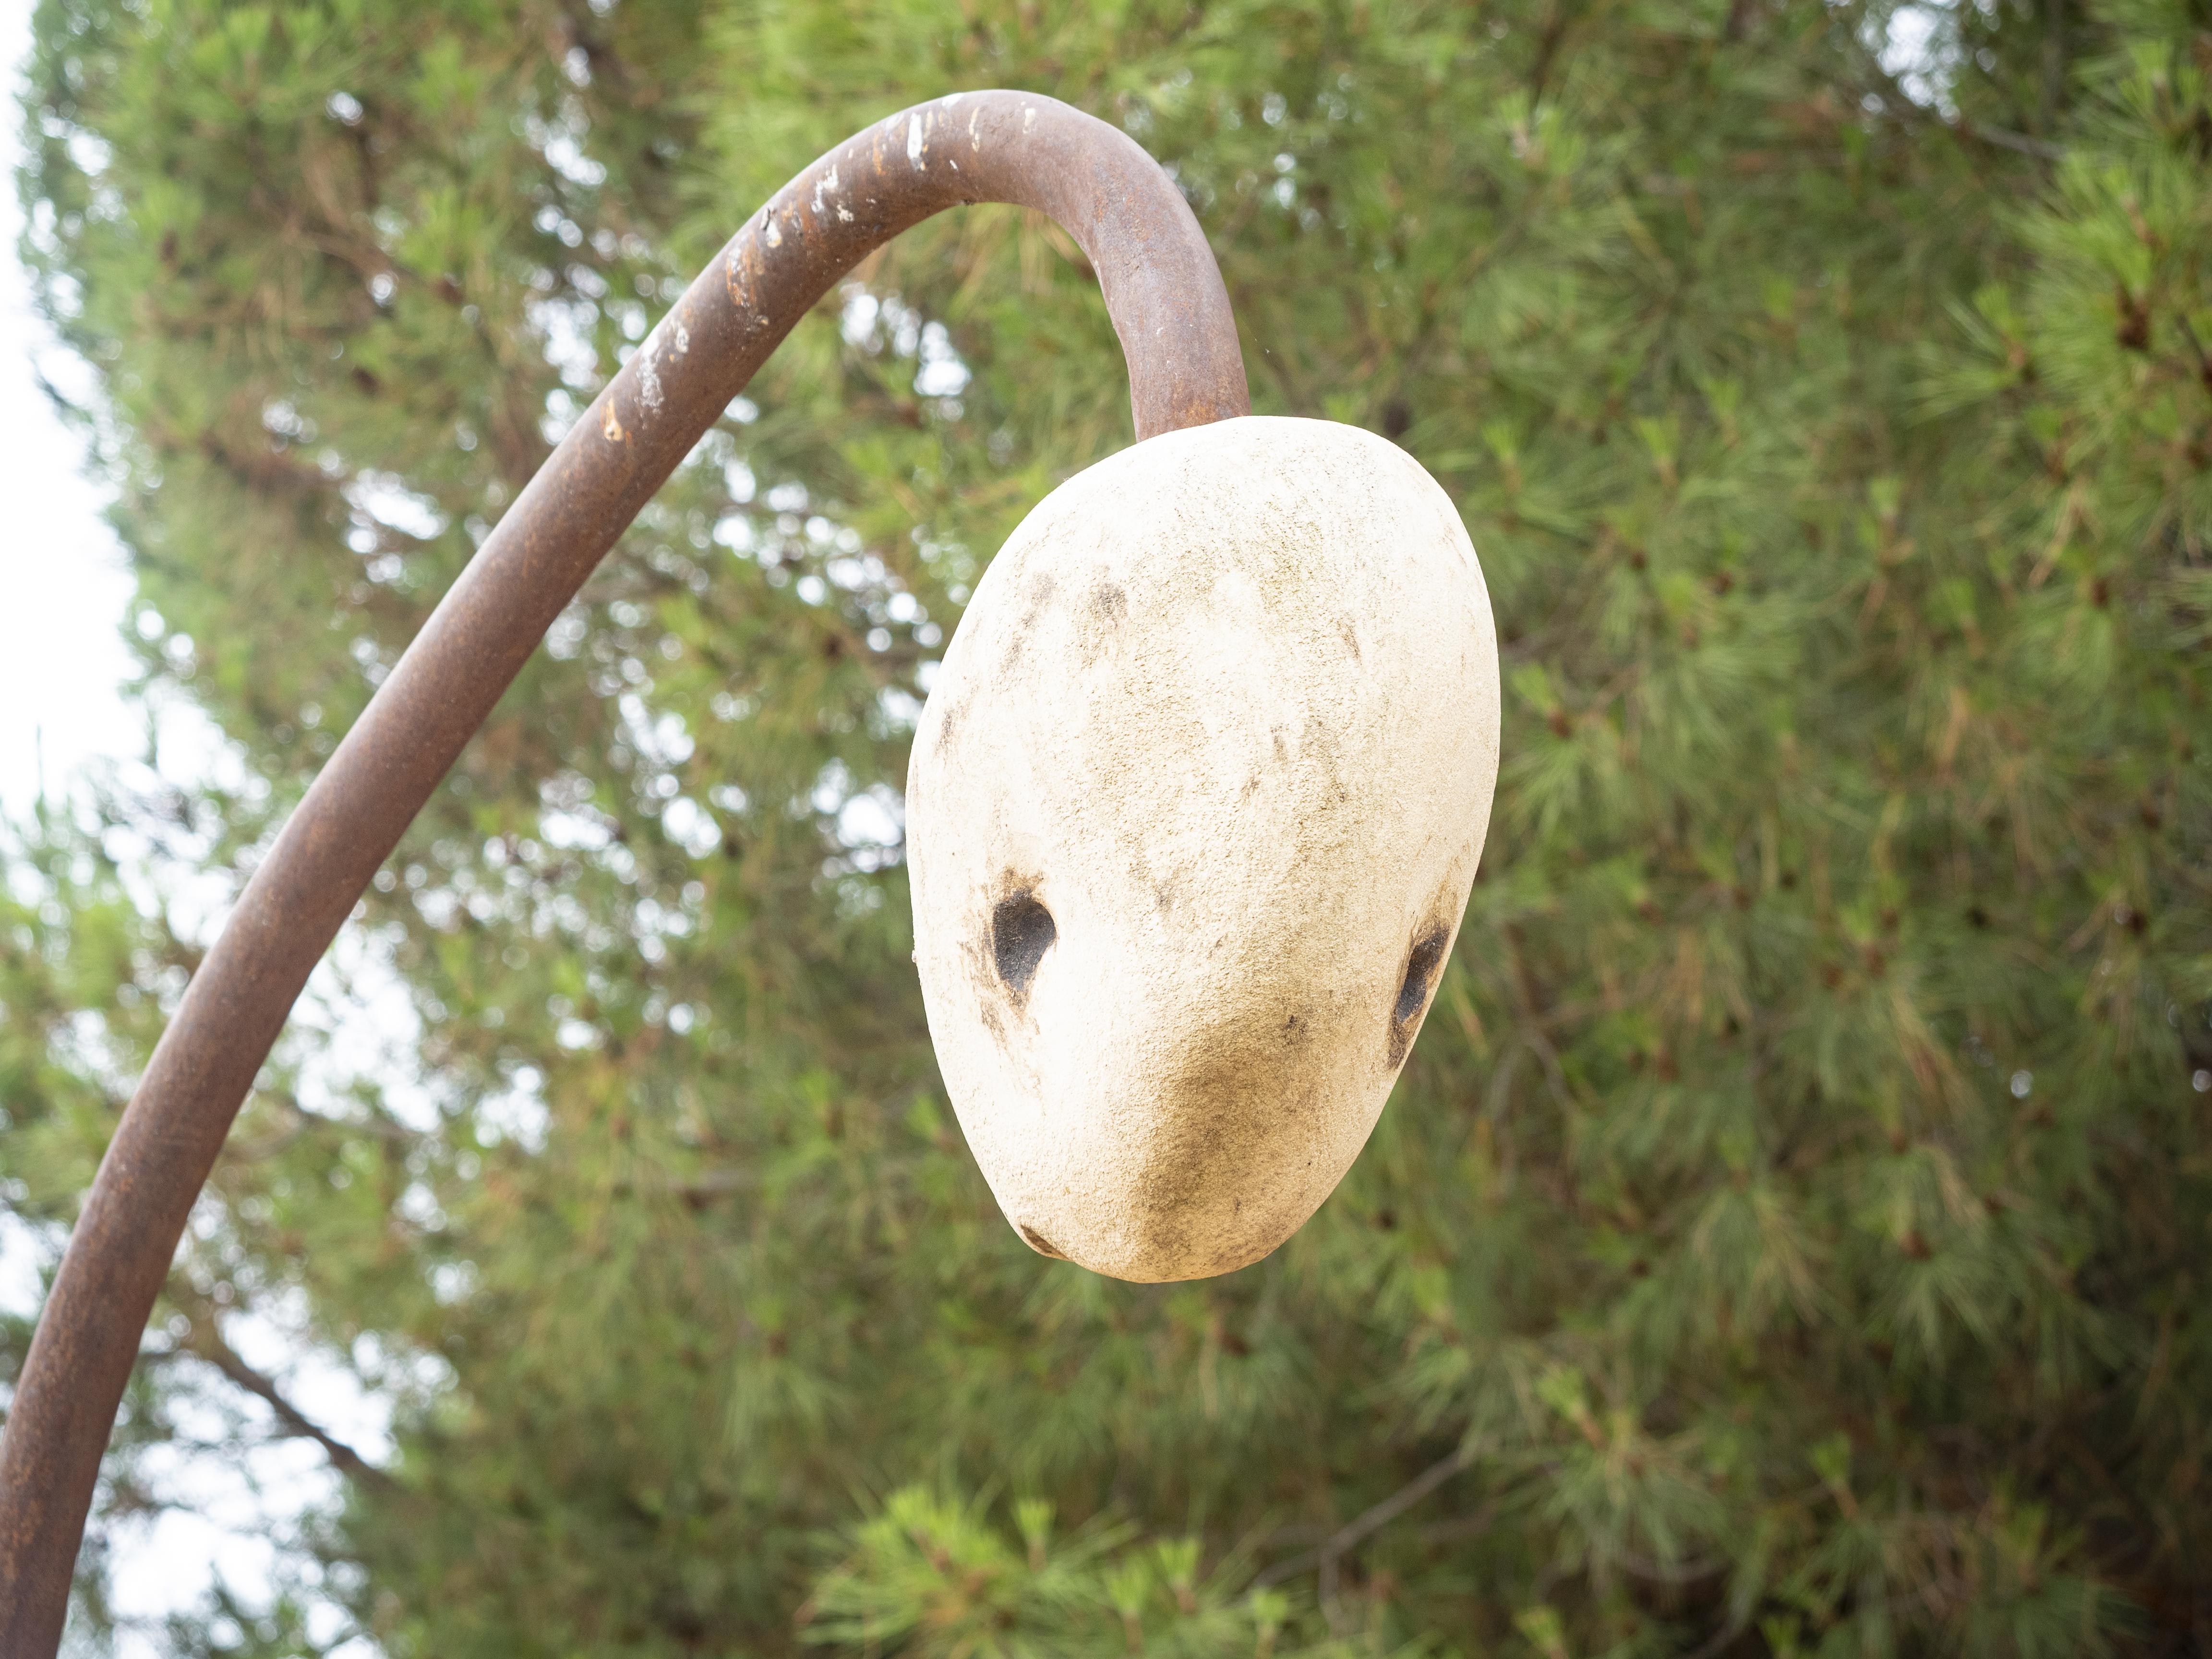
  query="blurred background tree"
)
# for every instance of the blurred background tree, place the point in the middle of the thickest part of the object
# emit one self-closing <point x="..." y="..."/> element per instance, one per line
<point x="1791" y="1234"/>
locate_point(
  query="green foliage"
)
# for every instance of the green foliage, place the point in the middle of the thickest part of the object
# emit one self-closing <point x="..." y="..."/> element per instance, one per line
<point x="932" y="1577"/>
<point x="1786" y="1236"/>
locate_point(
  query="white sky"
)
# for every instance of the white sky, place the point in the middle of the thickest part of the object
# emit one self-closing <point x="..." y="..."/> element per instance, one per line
<point x="61" y="659"/>
<point x="63" y="665"/>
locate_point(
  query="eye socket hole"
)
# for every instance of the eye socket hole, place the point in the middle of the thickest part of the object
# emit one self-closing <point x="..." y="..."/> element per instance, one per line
<point x="1428" y="954"/>
<point x="1021" y="933"/>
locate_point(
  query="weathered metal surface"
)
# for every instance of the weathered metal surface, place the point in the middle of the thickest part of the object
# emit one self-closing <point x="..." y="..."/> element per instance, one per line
<point x="1171" y="312"/>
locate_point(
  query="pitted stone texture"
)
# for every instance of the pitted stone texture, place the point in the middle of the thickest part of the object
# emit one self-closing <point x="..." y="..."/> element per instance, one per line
<point x="1191" y="820"/>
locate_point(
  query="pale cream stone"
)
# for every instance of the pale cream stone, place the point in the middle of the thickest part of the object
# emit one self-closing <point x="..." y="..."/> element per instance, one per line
<point x="1192" y="817"/>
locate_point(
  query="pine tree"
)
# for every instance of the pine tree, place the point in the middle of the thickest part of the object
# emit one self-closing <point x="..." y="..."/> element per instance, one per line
<point x="1787" y="1236"/>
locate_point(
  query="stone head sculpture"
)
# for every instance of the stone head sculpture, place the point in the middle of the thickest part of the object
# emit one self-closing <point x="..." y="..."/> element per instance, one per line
<point x="1191" y="818"/>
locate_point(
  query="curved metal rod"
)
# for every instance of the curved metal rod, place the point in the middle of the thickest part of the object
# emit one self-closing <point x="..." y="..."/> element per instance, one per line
<point x="1171" y="312"/>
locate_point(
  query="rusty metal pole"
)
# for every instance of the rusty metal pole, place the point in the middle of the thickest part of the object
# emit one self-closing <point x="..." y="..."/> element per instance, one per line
<point x="1171" y="312"/>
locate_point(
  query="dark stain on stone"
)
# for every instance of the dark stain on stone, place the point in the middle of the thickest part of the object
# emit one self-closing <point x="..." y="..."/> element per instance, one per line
<point x="1237" y="1081"/>
<point x="1110" y="601"/>
<point x="1041" y="587"/>
<point x="992" y="1024"/>
<point x="1351" y="640"/>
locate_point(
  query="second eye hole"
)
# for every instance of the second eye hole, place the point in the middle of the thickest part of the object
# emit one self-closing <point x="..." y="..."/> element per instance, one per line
<point x="1421" y="964"/>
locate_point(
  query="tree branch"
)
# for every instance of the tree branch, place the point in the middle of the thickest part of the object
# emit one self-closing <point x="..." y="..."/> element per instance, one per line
<point x="2019" y="142"/>
<point x="205" y="1342"/>
<point x="205" y="1346"/>
<point x="1325" y="1554"/>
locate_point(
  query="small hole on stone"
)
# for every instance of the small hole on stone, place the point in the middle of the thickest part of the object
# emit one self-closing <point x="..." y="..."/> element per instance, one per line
<point x="1420" y="967"/>
<point x="1021" y="933"/>
<point x="1037" y="1242"/>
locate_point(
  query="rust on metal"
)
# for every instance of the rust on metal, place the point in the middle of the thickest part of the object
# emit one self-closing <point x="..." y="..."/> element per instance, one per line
<point x="1171" y="312"/>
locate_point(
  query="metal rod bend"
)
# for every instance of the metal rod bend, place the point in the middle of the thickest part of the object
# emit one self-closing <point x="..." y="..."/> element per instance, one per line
<point x="1171" y="312"/>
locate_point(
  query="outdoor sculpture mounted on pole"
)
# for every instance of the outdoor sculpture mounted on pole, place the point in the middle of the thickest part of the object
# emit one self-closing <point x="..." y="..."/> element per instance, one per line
<point x="1193" y="808"/>
<point x="1191" y="819"/>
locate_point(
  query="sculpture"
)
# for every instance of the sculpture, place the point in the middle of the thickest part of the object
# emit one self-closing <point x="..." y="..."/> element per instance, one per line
<point x="1191" y="819"/>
